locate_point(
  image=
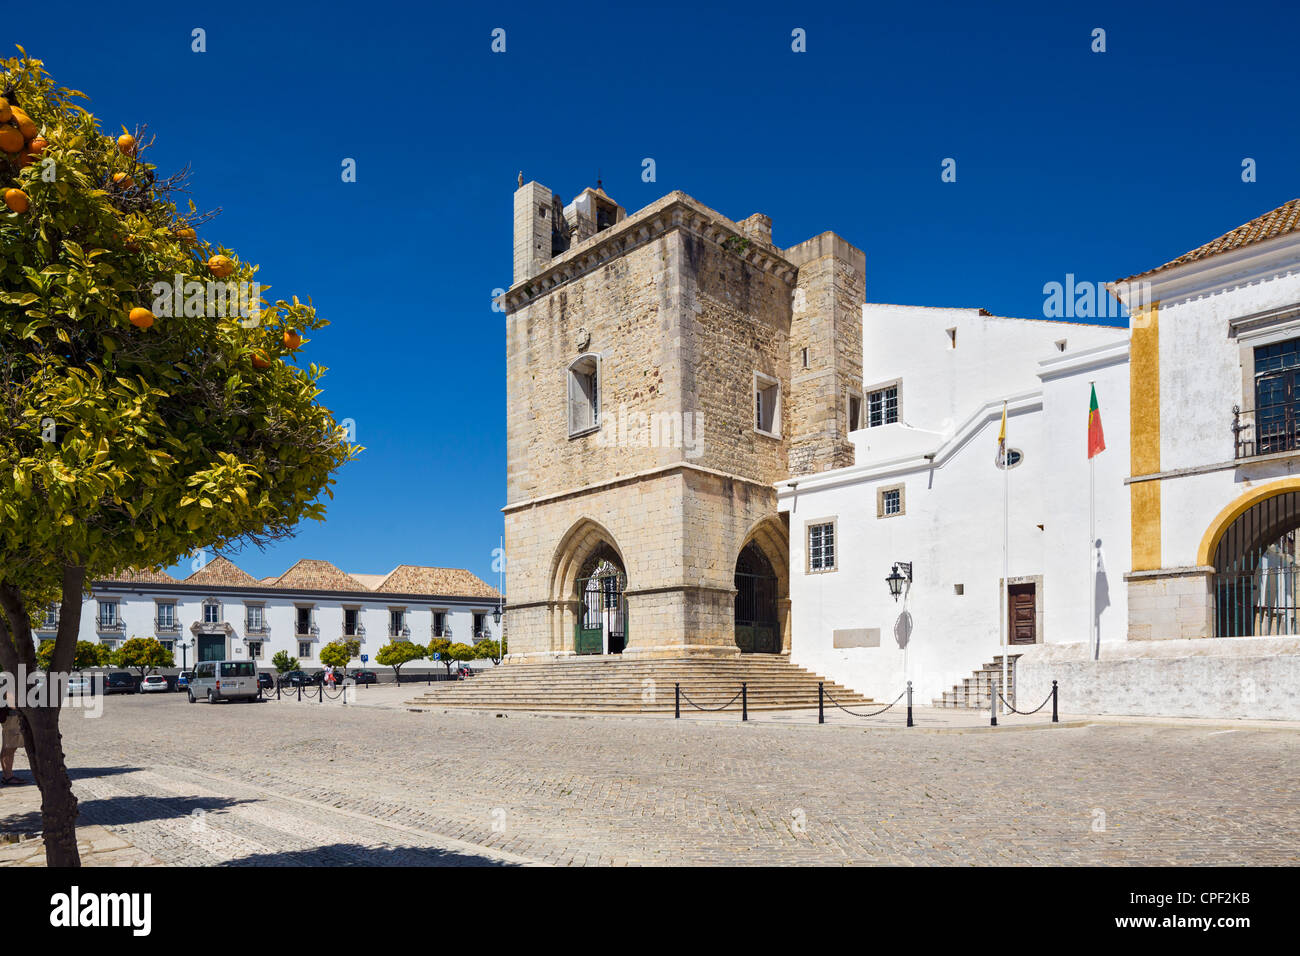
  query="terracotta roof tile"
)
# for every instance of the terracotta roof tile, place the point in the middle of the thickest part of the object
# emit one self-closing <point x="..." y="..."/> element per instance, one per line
<point x="222" y="572"/>
<point x="413" y="579"/>
<point x="1277" y="222"/>
<point x="134" y="576"/>
<point x="314" y="575"/>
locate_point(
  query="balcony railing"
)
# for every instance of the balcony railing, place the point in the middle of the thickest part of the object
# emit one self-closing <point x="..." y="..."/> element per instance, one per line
<point x="1266" y="430"/>
<point x="109" y="627"/>
<point x="166" y="627"/>
<point x="261" y="628"/>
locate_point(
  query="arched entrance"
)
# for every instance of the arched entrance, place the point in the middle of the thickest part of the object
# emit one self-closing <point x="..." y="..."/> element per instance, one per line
<point x="601" y="625"/>
<point x="1257" y="570"/>
<point x="758" y="626"/>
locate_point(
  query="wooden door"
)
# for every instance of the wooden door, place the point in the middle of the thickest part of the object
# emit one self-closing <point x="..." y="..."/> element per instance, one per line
<point x="1023" y="608"/>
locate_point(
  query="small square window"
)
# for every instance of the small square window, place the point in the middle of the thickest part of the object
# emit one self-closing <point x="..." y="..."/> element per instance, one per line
<point x="855" y="412"/>
<point x="304" y="648"/>
<point x="821" y="546"/>
<point x="890" y="501"/>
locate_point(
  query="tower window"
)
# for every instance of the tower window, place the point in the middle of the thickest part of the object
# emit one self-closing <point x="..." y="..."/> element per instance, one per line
<point x="855" y="412"/>
<point x="889" y="501"/>
<point x="584" y="395"/>
<point x="805" y="357"/>
<point x="767" y="404"/>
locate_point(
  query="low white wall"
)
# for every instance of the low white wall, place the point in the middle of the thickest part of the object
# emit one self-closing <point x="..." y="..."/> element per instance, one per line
<point x="1238" y="677"/>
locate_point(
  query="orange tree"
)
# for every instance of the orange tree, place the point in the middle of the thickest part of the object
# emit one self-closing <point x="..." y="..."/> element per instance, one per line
<point x="132" y="431"/>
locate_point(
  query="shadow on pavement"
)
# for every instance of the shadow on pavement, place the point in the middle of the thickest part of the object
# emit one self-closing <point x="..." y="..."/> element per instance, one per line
<point x="353" y="854"/>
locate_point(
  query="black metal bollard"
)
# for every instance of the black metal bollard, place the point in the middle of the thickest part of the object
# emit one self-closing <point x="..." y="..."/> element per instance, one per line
<point x="677" y="701"/>
<point x="821" y="711"/>
<point x="909" y="703"/>
<point x="744" y="701"/>
<point x="1055" y="718"/>
<point x="300" y="693"/>
<point x="993" y="706"/>
<point x="277" y="690"/>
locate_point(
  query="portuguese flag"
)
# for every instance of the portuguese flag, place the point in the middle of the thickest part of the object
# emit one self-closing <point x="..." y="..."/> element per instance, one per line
<point x="1096" y="440"/>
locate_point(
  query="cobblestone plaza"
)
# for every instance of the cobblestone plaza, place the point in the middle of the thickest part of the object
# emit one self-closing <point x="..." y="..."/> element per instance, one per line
<point x="288" y="783"/>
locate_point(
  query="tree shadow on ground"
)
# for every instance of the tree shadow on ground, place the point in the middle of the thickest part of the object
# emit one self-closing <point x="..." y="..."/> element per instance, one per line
<point x="354" y="854"/>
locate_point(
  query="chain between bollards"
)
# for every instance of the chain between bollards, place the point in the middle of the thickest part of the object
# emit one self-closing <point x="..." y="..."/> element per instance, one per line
<point x="909" y="703"/>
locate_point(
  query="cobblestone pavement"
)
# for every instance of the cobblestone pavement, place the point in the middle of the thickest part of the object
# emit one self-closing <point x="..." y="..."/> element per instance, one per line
<point x="295" y="783"/>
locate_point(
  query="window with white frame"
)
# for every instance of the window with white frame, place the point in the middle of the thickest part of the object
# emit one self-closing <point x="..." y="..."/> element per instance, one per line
<point x="767" y="404"/>
<point x="50" y="620"/>
<point x="882" y="406"/>
<point x="351" y="617"/>
<point x="821" y="546"/>
<point x="396" y="621"/>
<point x="480" y="624"/>
<point x="304" y="648"/>
<point x="168" y="646"/>
<point x="255" y="650"/>
<point x="584" y="395"/>
<point x="256" y="618"/>
<point x="108" y="618"/>
<point x="303" y="622"/>
<point x="211" y="612"/>
<point x="166" y="611"/>
<point x="439" y="623"/>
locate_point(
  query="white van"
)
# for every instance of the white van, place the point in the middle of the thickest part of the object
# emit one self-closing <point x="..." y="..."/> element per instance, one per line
<point x="224" y="680"/>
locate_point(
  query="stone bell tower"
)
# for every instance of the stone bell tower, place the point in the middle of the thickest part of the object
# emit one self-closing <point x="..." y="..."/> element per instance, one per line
<point x="664" y="370"/>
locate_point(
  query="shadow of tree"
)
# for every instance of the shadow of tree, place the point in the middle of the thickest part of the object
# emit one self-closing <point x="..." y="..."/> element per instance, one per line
<point x="354" y="854"/>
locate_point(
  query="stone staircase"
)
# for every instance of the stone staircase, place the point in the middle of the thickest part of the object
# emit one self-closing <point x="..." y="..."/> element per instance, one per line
<point x="974" y="691"/>
<point x="612" y="684"/>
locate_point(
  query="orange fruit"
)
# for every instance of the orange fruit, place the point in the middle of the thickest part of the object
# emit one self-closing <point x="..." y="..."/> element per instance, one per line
<point x="11" y="140"/>
<point x="126" y="144"/>
<point x="123" y="180"/>
<point x="187" y="234"/>
<point x="292" y="340"/>
<point x="6" y="114"/>
<point x="220" y="266"/>
<point x="25" y="124"/>
<point x="141" y="317"/>
<point x="16" y="200"/>
<point x="260" y="361"/>
<point x="36" y="145"/>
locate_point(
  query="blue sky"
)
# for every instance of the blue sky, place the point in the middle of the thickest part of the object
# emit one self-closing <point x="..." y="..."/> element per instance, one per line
<point x="1068" y="161"/>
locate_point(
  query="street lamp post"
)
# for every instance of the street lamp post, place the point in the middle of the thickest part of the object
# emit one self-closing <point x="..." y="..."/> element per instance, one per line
<point x="899" y="576"/>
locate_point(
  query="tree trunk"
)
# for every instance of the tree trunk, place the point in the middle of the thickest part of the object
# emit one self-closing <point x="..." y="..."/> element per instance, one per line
<point x="41" y="724"/>
<point x="58" y="805"/>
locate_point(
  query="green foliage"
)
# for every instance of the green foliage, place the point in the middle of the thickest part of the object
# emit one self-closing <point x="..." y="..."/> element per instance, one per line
<point x="338" y="653"/>
<point x="442" y="646"/>
<point x="397" y="653"/>
<point x="489" y="650"/>
<point x="142" y="653"/>
<point x="122" y="447"/>
<point x="283" y="663"/>
<point x="461" y="652"/>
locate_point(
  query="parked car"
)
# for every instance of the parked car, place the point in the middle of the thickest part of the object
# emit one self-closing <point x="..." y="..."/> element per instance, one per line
<point x="183" y="679"/>
<point x="297" y="679"/>
<point x="364" y="677"/>
<point x="224" y="680"/>
<point x="77" y="684"/>
<point x="153" y="683"/>
<point x="119" y="682"/>
<point x="463" y="672"/>
<point x="265" y="680"/>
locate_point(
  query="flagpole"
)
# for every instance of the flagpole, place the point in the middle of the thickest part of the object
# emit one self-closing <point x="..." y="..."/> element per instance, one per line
<point x="1095" y="645"/>
<point x="1006" y="559"/>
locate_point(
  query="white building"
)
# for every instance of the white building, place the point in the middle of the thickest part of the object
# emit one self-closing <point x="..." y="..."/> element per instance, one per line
<point x="220" y="612"/>
<point x="1197" y="497"/>
<point x="926" y="490"/>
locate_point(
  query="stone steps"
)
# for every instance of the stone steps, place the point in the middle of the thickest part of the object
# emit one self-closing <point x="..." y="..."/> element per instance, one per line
<point x="975" y="692"/>
<point x="613" y="685"/>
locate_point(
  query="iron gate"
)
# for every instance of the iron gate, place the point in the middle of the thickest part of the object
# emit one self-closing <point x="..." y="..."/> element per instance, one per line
<point x="602" y="605"/>
<point x="1257" y="571"/>
<point x="758" y="630"/>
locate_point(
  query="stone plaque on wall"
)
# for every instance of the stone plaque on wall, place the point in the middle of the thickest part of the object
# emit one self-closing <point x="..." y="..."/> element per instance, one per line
<point x="856" y="637"/>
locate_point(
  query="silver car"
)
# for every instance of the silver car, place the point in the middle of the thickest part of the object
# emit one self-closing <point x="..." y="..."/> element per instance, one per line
<point x="224" y="680"/>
